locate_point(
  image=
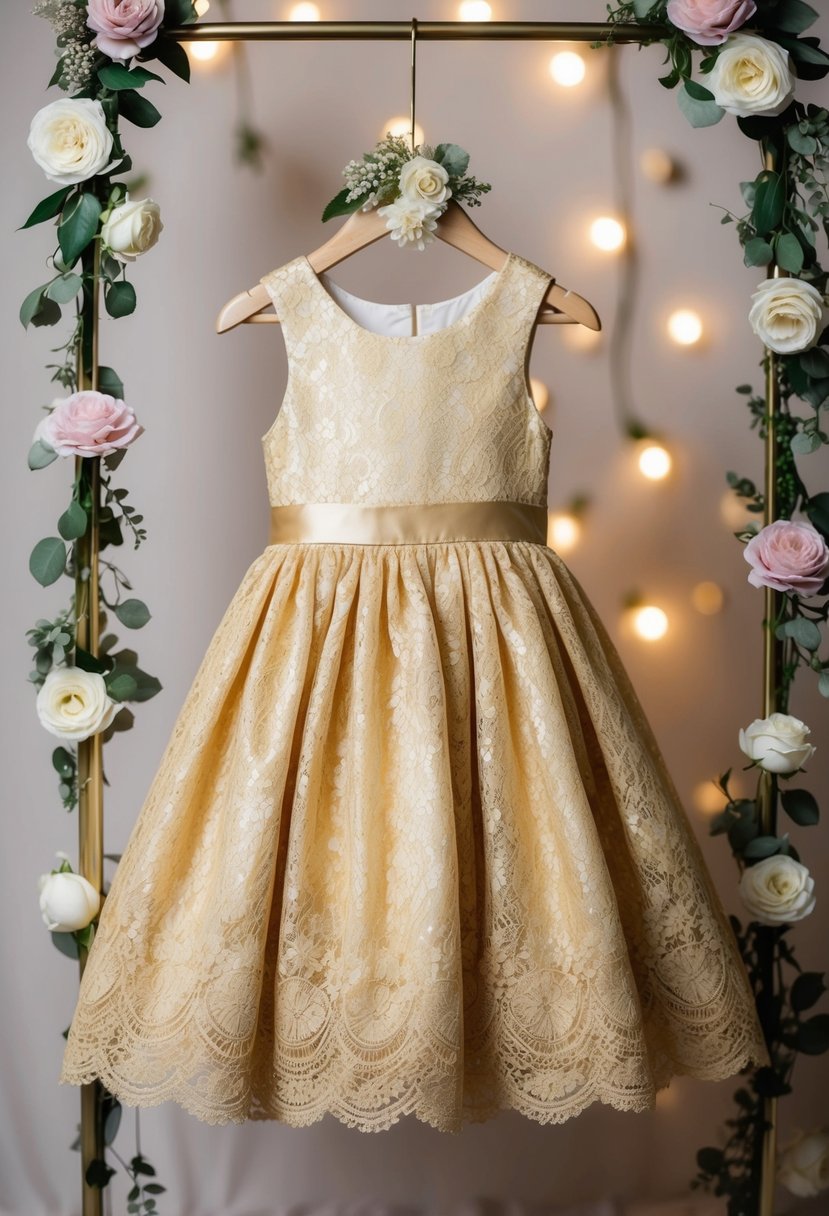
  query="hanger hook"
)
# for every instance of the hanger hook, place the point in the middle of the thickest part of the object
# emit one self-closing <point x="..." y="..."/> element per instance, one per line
<point x="414" y="80"/>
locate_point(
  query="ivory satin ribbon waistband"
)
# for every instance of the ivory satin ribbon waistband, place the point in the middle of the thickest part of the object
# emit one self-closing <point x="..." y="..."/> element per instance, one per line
<point x="419" y="523"/>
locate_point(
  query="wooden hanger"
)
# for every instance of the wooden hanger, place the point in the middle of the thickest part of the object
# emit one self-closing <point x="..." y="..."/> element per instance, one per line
<point x="363" y="228"/>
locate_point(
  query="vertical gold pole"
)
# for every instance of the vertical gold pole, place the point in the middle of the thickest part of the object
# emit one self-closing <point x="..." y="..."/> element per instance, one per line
<point x="767" y="795"/>
<point x="414" y="81"/>
<point x="90" y="751"/>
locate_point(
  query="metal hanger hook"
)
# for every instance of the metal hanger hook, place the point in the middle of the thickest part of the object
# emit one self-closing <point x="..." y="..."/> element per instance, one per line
<point x="414" y="82"/>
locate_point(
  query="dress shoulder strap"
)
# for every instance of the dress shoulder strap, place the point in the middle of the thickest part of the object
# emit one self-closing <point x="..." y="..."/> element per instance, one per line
<point x="286" y="289"/>
<point x="522" y="296"/>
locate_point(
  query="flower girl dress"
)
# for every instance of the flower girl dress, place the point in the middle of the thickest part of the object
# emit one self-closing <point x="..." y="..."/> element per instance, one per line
<point x="411" y="848"/>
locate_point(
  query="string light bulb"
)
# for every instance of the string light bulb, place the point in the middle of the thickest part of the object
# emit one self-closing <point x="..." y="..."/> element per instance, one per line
<point x="563" y="531"/>
<point x="707" y="798"/>
<point x="203" y="52"/>
<point x="475" y="10"/>
<point x="685" y="327"/>
<point x="540" y="393"/>
<point x="304" y="12"/>
<point x="607" y="233"/>
<point x="567" y="68"/>
<point x="650" y="622"/>
<point x="201" y="7"/>
<point x="402" y="125"/>
<point x="654" y="461"/>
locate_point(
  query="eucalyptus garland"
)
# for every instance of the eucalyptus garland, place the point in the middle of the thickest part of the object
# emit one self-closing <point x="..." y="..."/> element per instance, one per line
<point x="751" y="58"/>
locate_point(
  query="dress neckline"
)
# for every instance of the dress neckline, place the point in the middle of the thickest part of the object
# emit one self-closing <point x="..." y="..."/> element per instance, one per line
<point x="494" y="280"/>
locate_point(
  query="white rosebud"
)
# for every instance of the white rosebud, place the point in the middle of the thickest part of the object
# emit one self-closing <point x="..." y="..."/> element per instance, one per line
<point x="751" y="75"/>
<point x="423" y="180"/>
<point x="70" y="140"/>
<point x="778" y="890"/>
<point x="804" y="1163"/>
<point x="787" y="315"/>
<point x="74" y="704"/>
<point x="132" y="228"/>
<point x="779" y="743"/>
<point x="68" y="902"/>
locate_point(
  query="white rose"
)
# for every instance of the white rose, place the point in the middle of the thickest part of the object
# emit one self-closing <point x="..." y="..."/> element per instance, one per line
<point x="132" y="228"/>
<point x="779" y="743"/>
<point x="67" y="901"/>
<point x="777" y="890"/>
<point x="424" y="180"/>
<point x="751" y="76"/>
<point x="410" y="222"/>
<point x="804" y="1164"/>
<point x="73" y="703"/>
<point x="787" y="314"/>
<point x="70" y="140"/>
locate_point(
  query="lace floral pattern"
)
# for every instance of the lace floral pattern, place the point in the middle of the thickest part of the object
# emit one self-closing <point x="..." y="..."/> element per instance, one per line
<point x="412" y="847"/>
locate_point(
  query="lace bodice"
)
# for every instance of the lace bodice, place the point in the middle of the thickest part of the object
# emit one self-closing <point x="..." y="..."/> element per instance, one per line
<point x="394" y="418"/>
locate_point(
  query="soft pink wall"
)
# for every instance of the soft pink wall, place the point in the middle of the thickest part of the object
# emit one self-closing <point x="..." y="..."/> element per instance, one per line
<point x="198" y="476"/>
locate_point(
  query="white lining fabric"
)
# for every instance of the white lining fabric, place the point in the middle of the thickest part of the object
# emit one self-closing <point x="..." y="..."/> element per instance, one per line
<point x="406" y="320"/>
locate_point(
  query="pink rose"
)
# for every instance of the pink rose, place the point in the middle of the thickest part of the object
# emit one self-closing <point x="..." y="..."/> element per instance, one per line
<point x="788" y="556"/>
<point x="123" y="27"/>
<point x="709" y="22"/>
<point x="88" y="424"/>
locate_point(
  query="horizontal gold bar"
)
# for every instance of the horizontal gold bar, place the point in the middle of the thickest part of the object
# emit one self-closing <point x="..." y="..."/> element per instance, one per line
<point x="427" y="31"/>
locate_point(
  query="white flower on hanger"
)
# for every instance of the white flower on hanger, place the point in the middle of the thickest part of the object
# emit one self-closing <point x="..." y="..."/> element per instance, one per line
<point x="424" y="180"/>
<point x="410" y="223"/>
<point x="778" y="890"/>
<point x="752" y="75"/>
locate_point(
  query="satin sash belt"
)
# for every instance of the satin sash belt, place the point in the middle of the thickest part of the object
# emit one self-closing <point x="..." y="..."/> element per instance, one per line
<point x="420" y="523"/>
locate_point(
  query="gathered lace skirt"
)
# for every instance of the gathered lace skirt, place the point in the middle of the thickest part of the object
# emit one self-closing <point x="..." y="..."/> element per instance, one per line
<point x="411" y="849"/>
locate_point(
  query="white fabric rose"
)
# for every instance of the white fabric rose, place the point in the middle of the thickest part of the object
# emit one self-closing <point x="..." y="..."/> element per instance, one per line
<point x="68" y="901"/>
<point x="410" y="223"/>
<point x="132" y="228"/>
<point x="778" y="890"/>
<point x="779" y="743"/>
<point x="70" y="140"/>
<point x="424" y="180"/>
<point x="804" y="1164"/>
<point x="74" y="704"/>
<point x="787" y="314"/>
<point x="751" y="76"/>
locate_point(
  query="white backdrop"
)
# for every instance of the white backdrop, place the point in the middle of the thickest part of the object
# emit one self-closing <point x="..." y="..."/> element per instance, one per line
<point x="198" y="476"/>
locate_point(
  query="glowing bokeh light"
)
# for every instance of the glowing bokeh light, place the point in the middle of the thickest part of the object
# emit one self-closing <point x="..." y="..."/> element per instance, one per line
<point x="607" y="233"/>
<point x="567" y="68"/>
<point x="685" y="326"/>
<point x="650" y="622"/>
<point x="654" y="461"/>
<point x="563" y="531"/>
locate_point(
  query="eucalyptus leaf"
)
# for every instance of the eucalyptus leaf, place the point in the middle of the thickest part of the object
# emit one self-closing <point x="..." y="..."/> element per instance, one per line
<point x="788" y="253"/>
<point x="815" y="362"/>
<point x="72" y="523"/>
<point x="817" y="508"/>
<point x="813" y="1035"/>
<point x="64" y="288"/>
<point x="805" y="442"/>
<point x="63" y="762"/>
<point x="41" y="455"/>
<point x="806" y="145"/>
<point x="763" y="846"/>
<point x="757" y="252"/>
<point x="803" y="631"/>
<point x="132" y="613"/>
<point x="454" y="159"/>
<point x="807" y="990"/>
<point x="47" y="561"/>
<point x="110" y="382"/>
<point x="698" y="91"/>
<point x="112" y="1122"/>
<point x="801" y="806"/>
<point x="65" y="942"/>
<point x="823" y="684"/>
<point x="122" y="687"/>
<point x="119" y="299"/>
<point x="698" y="113"/>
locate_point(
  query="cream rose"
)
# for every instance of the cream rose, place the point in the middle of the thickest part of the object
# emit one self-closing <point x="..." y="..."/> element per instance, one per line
<point x="74" y="704"/>
<point x="804" y="1164"/>
<point x="68" y="901"/>
<point x="709" y="22"/>
<point x="423" y="180"/>
<point x="410" y="223"/>
<point x="751" y="76"/>
<point x="779" y="743"/>
<point x="787" y="314"/>
<point x="70" y="140"/>
<point x="778" y="890"/>
<point x="132" y="228"/>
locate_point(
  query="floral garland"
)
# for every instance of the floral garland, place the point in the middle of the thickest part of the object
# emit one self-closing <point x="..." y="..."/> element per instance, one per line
<point x="77" y="143"/>
<point x="752" y="75"/>
<point x="410" y="187"/>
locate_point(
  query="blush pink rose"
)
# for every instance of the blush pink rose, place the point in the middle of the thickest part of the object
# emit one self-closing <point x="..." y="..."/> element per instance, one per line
<point x="88" y="424"/>
<point x="123" y="27"/>
<point x="788" y="556"/>
<point x="709" y="22"/>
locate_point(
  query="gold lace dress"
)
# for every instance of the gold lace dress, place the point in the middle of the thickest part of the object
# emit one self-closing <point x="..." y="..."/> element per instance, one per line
<point x="411" y="848"/>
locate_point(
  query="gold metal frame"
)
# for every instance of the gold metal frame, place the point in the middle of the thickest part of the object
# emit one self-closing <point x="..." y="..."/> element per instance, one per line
<point x="90" y="765"/>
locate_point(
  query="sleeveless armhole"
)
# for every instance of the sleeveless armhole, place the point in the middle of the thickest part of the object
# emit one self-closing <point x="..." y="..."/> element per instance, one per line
<point x="538" y="284"/>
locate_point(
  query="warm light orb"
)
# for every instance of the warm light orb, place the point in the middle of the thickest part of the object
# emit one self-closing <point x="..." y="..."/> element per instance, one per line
<point x="540" y="393"/>
<point x="402" y="125"/>
<point x="475" y="10"/>
<point x="657" y="165"/>
<point x="563" y="531"/>
<point x="707" y="598"/>
<point x="607" y="233"/>
<point x="567" y="68"/>
<point x="201" y="7"/>
<point x="203" y="51"/>
<point x="734" y="512"/>
<point x="707" y="798"/>
<point x="655" y="461"/>
<point x="685" y="327"/>
<point x="304" y="12"/>
<point x="650" y="622"/>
